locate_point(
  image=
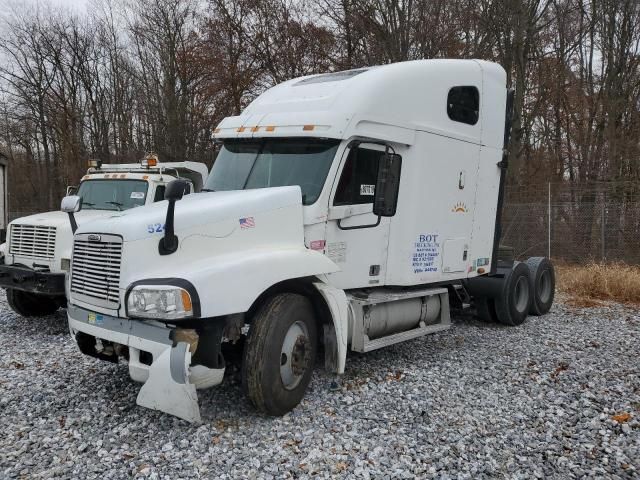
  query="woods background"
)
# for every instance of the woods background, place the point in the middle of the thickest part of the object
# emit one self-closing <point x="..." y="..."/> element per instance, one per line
<point x="157" y="75"/>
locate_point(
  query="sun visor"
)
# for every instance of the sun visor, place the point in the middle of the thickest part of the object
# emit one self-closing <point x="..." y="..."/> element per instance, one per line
<point x="286" y="124"/>
<point x="241" y="126"/>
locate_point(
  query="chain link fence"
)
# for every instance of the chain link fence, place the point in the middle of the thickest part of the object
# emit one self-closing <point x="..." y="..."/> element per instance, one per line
<point x="577" y="224"/>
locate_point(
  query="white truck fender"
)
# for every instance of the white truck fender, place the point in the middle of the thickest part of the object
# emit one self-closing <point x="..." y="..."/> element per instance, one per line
<point x="245" y="277"/>
<point x="338" y="307"/>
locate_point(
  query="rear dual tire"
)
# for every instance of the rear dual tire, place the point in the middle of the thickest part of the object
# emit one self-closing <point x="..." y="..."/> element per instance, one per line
<point x="486" y="309"/>
<point x="543" y="280"/>
<point x="511" y="306"/>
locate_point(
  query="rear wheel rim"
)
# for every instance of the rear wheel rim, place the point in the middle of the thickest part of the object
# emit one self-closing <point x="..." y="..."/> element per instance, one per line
<point x="295" y="355"/>
<point x="521" y="294"/>
<point x="544" y="286"/>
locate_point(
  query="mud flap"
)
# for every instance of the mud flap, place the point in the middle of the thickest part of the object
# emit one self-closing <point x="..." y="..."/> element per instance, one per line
<point x="168" y="389"/>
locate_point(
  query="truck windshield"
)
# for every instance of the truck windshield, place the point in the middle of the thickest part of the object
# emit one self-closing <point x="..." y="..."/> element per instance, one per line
<point x="246" y="164"/>
<point x="112" y="194"/>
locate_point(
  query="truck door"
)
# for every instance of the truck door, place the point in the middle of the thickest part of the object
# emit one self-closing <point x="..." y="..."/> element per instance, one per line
<point x="356" y="239"/>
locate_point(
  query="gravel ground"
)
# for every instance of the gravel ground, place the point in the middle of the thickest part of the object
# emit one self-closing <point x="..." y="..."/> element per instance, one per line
<point x="477" y="401"/>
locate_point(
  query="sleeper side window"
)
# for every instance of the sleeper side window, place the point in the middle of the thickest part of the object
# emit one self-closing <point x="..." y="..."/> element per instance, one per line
<point x="358" y="180"/>
<point x="463" y="105"/>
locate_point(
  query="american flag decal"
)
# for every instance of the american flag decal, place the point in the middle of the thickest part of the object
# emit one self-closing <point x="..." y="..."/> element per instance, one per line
<point x="247" y="222"/>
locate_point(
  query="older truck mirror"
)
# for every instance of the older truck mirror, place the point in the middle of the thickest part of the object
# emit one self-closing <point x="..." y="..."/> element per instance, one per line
<point x="385" y="201"/>
<point x="174" y="192"/>
<point x="70" y="205"/>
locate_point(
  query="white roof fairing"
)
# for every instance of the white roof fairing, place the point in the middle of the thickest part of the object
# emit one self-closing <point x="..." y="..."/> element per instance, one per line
<point x="388" y="102"/>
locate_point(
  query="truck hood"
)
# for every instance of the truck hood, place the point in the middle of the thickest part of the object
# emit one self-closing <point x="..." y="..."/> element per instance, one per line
<point x="249" y="238"/>
<point x="228" y="210"/>
<point x="61" y="219"/>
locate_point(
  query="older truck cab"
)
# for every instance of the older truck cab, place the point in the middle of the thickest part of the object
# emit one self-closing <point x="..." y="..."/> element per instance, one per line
<point x="37" y="254"/>
<point x="345" y="211"/>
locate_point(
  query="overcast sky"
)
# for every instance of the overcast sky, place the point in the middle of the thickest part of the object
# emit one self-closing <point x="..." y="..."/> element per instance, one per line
<point x="7" y="6"/>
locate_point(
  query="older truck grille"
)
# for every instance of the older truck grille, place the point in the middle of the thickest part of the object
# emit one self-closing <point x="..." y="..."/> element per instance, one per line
<point x="35" y="241"/>
<point x="95" y="269"/>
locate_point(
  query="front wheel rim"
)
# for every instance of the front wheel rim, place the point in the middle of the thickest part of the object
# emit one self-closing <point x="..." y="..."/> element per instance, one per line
<point x="295" y="355"/>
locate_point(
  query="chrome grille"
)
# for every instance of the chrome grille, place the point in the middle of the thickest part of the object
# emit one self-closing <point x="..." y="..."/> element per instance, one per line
<point x="35" y="241"/>
<point x="95" y="269"/>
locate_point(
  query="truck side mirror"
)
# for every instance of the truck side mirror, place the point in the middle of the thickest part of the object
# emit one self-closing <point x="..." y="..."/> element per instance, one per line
<point x="173" y="192"/>
<point x="385" y="201"/>
<point x="70" y="205"/>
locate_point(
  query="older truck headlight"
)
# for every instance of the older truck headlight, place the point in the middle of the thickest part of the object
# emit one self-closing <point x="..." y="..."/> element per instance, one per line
<point x="162" y="302"/>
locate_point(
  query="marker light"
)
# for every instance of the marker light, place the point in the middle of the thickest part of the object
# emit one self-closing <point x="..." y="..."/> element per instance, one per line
<point x="149" y="161"/>
<point x="163" y="302"/>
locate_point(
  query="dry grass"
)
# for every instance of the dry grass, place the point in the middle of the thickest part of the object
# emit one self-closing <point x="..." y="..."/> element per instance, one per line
<point x="587" y="284"/>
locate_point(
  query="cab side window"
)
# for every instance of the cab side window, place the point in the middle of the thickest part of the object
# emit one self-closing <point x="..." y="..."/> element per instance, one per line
<point x="159" y="195"/>
<point x="463" y="105"/>
<point x="358" y="180"/>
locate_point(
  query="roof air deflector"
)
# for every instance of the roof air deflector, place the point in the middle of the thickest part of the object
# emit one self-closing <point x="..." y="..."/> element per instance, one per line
<point x="332" y="77"/>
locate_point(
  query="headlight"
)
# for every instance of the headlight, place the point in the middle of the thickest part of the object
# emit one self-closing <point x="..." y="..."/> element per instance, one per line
<point x="163" y="302"/>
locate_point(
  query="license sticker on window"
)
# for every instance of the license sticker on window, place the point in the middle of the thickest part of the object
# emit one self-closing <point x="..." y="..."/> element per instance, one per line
<point x="367" y="190"/>
<point x="138" y="195"/>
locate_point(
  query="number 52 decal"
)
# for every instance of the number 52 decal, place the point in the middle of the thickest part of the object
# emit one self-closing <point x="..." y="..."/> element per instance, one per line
<point x="155" y="227"/>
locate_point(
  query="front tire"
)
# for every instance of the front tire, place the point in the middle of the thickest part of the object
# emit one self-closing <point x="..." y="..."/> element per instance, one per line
<point x="30" y="304"/>
<point x="280" y="354"/>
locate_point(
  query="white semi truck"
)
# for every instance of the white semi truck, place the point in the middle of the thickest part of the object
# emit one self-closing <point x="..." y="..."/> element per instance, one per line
<point x="37" y="253"/>
<point x="345" y="211"/>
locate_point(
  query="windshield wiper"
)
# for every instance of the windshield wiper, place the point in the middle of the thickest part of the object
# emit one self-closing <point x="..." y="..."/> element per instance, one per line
<point x="207" y="190"/>
<point x="88" y="204"/>
<point x="117" y="205"/>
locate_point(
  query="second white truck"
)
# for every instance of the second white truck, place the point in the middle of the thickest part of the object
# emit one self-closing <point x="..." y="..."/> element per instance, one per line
<point x="345" y="211"/>
<point x="37" y="253"/>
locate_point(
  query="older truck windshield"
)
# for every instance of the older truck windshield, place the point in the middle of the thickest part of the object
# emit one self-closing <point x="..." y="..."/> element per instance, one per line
<point x="246" y="164"/>
<point x="112" y="194"/>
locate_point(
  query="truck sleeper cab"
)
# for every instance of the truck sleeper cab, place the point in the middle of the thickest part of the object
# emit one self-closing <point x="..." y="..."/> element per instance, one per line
<point x="37" y="254"/>
<point x="349" y="210"/>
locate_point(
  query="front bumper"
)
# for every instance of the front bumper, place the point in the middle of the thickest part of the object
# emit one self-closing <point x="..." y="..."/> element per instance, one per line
<point x="29" y="280"/>
<point x="138" y="336"/>
<point x="170" y="382"/>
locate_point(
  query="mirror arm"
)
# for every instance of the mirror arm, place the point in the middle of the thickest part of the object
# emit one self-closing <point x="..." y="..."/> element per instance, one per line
<point x="72" y="221"/>
<point x="174" y="191"/>
<point x="169" y="243"/>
